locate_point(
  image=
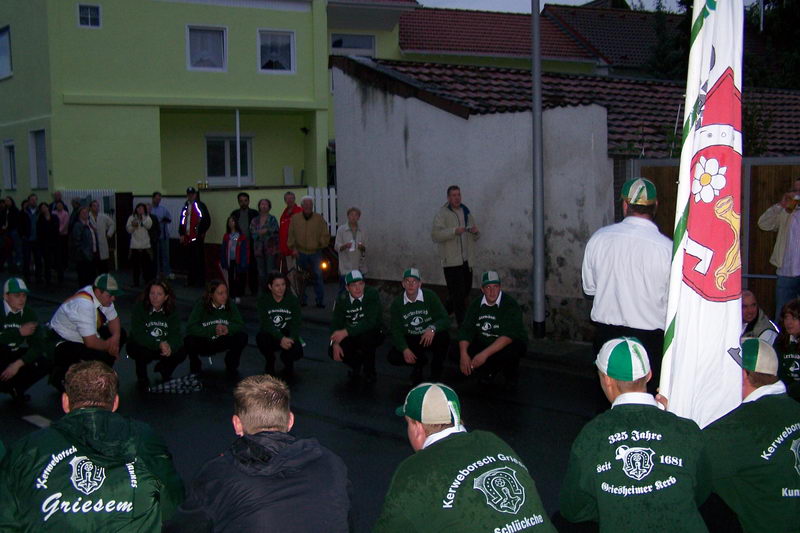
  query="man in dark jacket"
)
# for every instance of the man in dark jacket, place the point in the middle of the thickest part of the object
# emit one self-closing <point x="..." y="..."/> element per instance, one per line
<point x="268" y="480"/>
<point x="93" y="470"/>
<point x="243" y="216"/>
<point x="195" y="221"/>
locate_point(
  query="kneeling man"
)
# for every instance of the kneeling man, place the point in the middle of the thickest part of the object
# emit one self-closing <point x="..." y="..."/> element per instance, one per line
<point x="457" y="480"/>
<point x="492" y="337"/>
<point x="419" y="325"/>
<point x="86" y="327"/>
<point x="635" y="467"/>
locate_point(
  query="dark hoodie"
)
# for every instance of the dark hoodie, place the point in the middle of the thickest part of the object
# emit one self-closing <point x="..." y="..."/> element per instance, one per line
<point x="93" y="470"/>
<point x="270" y="481"/>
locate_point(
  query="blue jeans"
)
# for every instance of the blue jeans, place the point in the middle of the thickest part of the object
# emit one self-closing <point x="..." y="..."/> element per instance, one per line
<point x="786" y="288"/>
<point x="311" y="263"/>
<point x="162" y="257"/>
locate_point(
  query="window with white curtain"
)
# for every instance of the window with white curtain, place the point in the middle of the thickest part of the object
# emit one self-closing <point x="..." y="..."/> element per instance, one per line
<point x="206" y="48"/>
<point x="221" y="159"/>
<point x="276" y="51"/>
<point x="38" y="159"/>
<point x="5" y="52"/>
<point x="9" y="166"/>
<point x="88" y="16"/>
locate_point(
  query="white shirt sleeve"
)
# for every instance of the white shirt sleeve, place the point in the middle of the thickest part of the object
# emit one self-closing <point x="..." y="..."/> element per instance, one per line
<point x="587" y="271"/>
<point x="109" y="312"/>
<point x="84" y="315"/>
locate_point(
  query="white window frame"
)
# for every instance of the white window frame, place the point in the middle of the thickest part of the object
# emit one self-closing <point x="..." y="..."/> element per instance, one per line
<point x="353" y="51"/>
<point x="7" y="30"/>
<point x="32" y="160"/>
<point x="224" y="30"/>
<point x="9" y="166"/>
<point x="99" y="16"/>
<point x="230" y="179"/>
<point x="292" y="50"/>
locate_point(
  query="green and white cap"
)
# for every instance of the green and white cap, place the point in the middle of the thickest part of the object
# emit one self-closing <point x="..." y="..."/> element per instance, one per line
<point x="353" y="276"/>
<point x="489" y="277"/>
<point x="432" y="403"/>
<point x="639" y="191"/>
<point x="411" y="273"/>
<point x="757" y="356"/>
<point x="14" y="286"/>
<point x="106" y="282"/>
<point x="623" y="359"/>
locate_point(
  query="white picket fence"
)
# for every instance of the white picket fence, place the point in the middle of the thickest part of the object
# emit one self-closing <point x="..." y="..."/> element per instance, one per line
<point x="106" y="197"/>
<point x="325" y="203"/>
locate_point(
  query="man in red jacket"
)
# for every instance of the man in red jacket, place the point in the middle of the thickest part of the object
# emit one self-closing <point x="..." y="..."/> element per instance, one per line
<point x="283" y="235"/>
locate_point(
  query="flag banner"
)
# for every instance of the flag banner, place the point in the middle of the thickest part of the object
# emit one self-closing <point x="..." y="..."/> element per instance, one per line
<point x="704" y="316"/>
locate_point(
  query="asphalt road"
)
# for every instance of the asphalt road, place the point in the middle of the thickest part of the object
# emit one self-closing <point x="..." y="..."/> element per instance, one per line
<point x="539" y="420"/>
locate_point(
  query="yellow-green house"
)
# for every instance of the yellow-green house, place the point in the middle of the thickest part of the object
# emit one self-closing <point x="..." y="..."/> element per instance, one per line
<point x="148" y="95"/>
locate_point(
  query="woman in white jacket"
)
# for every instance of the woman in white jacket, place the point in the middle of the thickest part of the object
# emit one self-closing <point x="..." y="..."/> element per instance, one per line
<point x="138" y="225"/>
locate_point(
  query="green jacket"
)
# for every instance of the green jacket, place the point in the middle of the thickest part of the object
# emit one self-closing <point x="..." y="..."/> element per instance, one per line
<point x="92" y="470"/>
<point x="466" y="482"/>
<point x="755" y="463"/>
<point x="10" y="337"/>
<point x="637" y="468"/>
<point x="203" y="322"/>
<point x="414" y="318"/>
<point x="359" y="316"/>
<point x="151" y="328"/>
<point x="484" y="323"/>
<point x="276" y="317"/>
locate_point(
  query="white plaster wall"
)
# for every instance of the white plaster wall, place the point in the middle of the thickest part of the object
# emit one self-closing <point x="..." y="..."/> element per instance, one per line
<point x="579" y="187"/>
<point x="395" y="159"/>
<point x="397" y="156"/>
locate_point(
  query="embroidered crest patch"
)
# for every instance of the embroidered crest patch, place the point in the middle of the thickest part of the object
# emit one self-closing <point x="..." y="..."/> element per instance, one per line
<point x="637" y="463"/>
<point x="86" y="476"/>
<point x="796" y="450"/>
<point x="502" y="489"/>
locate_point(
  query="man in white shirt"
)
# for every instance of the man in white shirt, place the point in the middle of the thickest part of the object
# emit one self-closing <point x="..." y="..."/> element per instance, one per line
<point x="784" y="218"/>
<point x="626" y="270"/>
<point x="86" y="327"/>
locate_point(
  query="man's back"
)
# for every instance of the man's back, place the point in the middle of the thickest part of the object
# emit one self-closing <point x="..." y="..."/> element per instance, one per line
<point x="268" y="481"/>
<point x="93" y="470"/>
<point x="464" y="482"/>
<point x="626" y="269"/>
<point x="637" y="468"/>
<point x="755" y="457"/>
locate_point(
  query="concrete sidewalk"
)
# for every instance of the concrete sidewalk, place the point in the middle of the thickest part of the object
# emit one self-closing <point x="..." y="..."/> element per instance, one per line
<point x="559" y="355"/>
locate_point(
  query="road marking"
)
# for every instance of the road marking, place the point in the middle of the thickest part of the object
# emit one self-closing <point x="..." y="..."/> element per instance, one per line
<point x="37" y="420"/>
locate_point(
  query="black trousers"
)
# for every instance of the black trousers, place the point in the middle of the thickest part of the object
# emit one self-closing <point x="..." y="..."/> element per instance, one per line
<point x="85" y="270"/>
<point x="67" y="353"/>
<point x="268" y="345"/>
<point x="143" y="356"/>
<point x="232" y="345"/>
<point x="505" y="361"/>
<point x="196" y="263"/>
<point x="459" y="284"/>
<point x="652" y="340"/>
<point x="436" y="352"/>
<point x="29" y="374"/>
<point x="142" y="265"/>
<point x="359" y="351"/>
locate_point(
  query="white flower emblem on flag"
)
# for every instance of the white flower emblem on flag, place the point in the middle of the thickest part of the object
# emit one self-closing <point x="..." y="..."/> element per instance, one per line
<point x="709" y="179"/>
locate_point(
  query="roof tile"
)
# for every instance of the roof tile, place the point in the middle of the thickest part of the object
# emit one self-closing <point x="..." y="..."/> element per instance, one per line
<point x="641" y="113"/>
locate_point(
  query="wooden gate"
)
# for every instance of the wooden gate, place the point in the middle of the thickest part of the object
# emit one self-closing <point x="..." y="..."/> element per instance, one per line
<point x="764" y="180"/>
